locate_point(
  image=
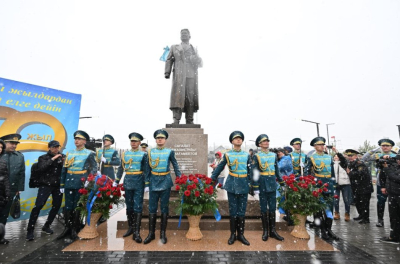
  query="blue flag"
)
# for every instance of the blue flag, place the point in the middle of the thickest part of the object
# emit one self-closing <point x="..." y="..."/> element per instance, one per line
<point x="165" y="54"/>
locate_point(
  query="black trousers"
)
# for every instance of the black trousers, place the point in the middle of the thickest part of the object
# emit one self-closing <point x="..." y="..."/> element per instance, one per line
<point x="362" y="204"/>
<point x="42" y="196"/>
<point x="6" y="211"/>
<point x="394" y="213"/>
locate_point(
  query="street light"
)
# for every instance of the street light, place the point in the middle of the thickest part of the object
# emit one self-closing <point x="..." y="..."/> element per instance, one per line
<point x="313" y="123"/>
<point x="327" y="130"/>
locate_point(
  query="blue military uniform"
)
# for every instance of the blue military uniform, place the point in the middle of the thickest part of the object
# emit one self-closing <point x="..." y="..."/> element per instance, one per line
<point x="381" y="198"/>
<point x="134" y="164"/>
<point x="79" y="163"/>
<point x="159" y="181"/>
<point x="267" y="165"/>
<point x="112" y="157"/>
<point x="321" y="167"/>
<point x="296" y="158"/>
<point x="237" y="186"/>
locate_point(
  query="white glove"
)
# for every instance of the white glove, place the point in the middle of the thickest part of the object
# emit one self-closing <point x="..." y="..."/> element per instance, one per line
<point x="62" y="190"/>
<point x="114" y="184"/>
<point x="147" y="189"/>
<point x="99" y="173"/>
<point x="256" y="192"/>
<point x="86" y="184"/>
<point x="104" y="160"/>
<point x="256" y="175"/>
<point x="301" y="164"/>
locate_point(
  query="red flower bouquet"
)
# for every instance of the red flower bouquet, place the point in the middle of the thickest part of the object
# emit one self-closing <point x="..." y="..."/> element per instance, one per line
<point x="198" y="195"/>
<point x="105" y="194"/>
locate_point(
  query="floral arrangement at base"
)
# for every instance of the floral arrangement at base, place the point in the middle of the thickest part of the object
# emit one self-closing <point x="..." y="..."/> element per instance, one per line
<point x="198" y="195"/>
<point x="100" y="193"/>
<point x="303" y="196"/>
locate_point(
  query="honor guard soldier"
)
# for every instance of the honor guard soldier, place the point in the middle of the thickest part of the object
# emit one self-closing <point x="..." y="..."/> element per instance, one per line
<point x="109" y="159"/>
<point x="298" y="157"/>
<point x="385" y="145"/>
<point x="16" y="173"/>
<point x="79" y="163"/>
<point x="237" y="185"/>
<point x="144" y="147"/>
<point x="159" y="183"/>
<point x="134" y="164"/>
<point x="265" y="174"/>
<point x="320" y="165"/>
<point x="360" y="178"/>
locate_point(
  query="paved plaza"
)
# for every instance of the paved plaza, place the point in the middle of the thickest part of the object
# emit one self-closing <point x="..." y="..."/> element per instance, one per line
<point x="358" y="244"/>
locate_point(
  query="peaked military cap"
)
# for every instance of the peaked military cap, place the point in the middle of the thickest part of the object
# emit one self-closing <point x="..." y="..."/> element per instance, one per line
<point x="385" y="142"/>
<point x="350" y="152"/>
<point x="160" y="133"/>
<point x="11" y="138"/>
<point x="109" y="137"/>
<point x="81" y="134"/>
<point x="144" y="145"/>
<point x="235" y="134"/>
<point x="135" y="136"/>
<point x="261" y="138"/>
<point x="3" y="144"/>
<point x="54" y="143"/>
<point x="296" y="141"/>
<point x="317" y="140"/>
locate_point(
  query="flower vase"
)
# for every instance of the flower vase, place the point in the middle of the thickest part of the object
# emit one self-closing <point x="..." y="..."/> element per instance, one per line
<point x="90" y="231"/>
<point x="194" y="232"/>
<point x="299" y="229"/>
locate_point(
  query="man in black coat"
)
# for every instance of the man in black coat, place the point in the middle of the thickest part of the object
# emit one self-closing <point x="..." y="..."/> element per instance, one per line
<point x="362" y="185"/>
<point x="390" y="185"/>
<point x="49" y="166"/>
<point x="4" y="187"/>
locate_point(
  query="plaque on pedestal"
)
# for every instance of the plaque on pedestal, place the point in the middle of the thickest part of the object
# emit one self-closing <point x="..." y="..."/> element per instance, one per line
<point x="191" y="148"/>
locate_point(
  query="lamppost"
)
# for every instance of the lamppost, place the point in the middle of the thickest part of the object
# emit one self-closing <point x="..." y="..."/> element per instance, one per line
<point x="327" y="130"/>
<point x="313" y="123"/>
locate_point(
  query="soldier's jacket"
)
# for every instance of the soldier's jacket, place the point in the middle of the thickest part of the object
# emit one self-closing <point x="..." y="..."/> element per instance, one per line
<point x="135" y="165"/>
<point x="360" y="177"/>
<point x="267" y="164"/>
<point x="158" y="176"/>
<point x="112" y="158"/>
<point x="239" y="177"/>
<point x="296" y="161"/>
<point x="78" y="164"/>
<point x="321" y="167"/>
<point x="16" y="170"/>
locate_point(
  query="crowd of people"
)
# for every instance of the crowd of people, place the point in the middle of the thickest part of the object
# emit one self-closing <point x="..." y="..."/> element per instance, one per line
<point x="239" y="172"/>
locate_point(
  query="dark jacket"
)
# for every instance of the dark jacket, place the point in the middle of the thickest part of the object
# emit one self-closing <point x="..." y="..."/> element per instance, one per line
<point x="16" y="170"/>
<point x="390" y="179"/>
<point x="360" y="177"/>
<point x="5" y="194"/>
<point x="50" y="171"/>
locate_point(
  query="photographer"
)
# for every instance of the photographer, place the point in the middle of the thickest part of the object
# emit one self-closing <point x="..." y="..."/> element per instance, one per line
<point x="49" y="166"/>
<point x="390" y="185"/>
<point x="385" y="146"/>
<point x="360" y="178"/>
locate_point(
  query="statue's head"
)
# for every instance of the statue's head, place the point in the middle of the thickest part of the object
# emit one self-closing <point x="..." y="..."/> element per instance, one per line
<point x="185" y="34"/>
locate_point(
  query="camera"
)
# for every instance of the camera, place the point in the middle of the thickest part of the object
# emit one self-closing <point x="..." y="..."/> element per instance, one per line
<point x="390" y="162"/>
<point x="92" y="144"/>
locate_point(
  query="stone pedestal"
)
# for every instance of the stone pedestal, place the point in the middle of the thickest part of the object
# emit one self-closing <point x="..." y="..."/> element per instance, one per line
<point x="191" y="148"/>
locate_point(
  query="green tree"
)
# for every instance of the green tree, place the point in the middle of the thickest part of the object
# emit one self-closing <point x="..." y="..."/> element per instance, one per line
<point x="366" y="147"/>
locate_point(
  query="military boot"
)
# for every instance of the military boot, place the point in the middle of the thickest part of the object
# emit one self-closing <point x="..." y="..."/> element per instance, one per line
<point x="76" y="224"/>
<point x="264" y="220"/>
<point x="232" y="224"/>
<point x="272" y="230"/>
<point x="137" y="226"/>
<point x="152" y="228"/>
<point x="328" y="223"/>
<point x="164" y="222"/>
<point x="67" y="224"/>
<point x="240" y="230"/>
<point x="129" y="216"/>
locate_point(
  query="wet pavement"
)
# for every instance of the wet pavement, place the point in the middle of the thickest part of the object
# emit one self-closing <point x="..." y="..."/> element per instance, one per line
<point x="358" y="244"/>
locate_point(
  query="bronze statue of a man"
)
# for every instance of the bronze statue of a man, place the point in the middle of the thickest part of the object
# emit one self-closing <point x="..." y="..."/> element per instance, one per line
<point x="184" y="93"/>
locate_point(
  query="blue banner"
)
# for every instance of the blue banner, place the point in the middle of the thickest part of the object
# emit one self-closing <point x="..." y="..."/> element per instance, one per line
<point x="40" y="115"/>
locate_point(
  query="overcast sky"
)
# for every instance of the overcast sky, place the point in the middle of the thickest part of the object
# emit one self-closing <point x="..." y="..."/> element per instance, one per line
<point x="266" y="64"/>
